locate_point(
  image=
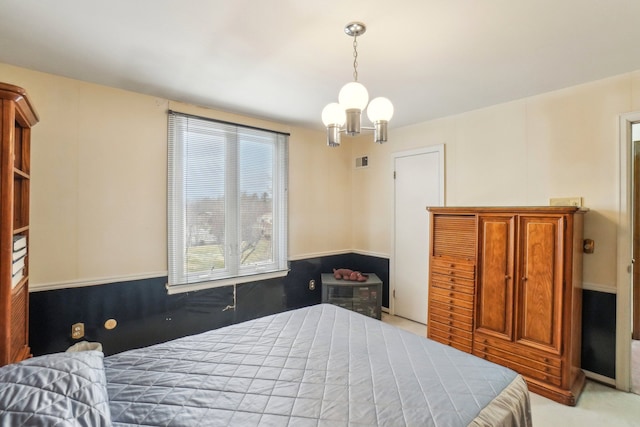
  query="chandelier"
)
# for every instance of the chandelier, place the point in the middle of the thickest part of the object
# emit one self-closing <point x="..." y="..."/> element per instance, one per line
<point x="345" y="115"/>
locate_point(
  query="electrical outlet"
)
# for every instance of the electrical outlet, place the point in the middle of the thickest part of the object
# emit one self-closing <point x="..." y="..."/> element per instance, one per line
<point x="77" y="331"/>
<point x="566" y="201"/>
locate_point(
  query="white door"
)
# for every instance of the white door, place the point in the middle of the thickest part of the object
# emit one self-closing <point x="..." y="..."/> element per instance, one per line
<point x="419" y="182"/>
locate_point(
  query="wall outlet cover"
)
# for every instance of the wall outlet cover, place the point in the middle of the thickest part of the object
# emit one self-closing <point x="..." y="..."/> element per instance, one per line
<point x="566" y="201"/>
<point x="77" y="331"/>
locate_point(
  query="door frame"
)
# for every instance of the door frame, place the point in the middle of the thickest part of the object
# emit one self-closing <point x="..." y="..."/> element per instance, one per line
<point x="439" y="148"/>
<point x="624" y="276"/>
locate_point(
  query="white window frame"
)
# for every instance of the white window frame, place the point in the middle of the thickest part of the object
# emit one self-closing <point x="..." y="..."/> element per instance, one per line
<point x="233" y="273"/>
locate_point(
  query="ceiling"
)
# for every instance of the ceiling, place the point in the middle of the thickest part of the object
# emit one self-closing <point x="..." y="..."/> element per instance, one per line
<point x="284" y="60"/>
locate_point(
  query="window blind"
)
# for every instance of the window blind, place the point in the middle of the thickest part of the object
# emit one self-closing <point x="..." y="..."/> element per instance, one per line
<point x="227" y="203"/>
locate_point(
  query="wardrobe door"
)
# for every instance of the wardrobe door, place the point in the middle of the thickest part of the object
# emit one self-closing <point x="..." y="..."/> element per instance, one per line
<point x="539" y="291"/>
<point x="494" y="304"/>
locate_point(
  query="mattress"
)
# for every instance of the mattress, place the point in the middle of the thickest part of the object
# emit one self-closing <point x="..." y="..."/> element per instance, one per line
<point x="316" y="366"/>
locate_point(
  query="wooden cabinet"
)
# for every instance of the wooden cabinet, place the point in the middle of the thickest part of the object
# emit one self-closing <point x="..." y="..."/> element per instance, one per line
<point x="452" y="281"/>
<point x="527" y="301"/>
<point x="17" y="118"/>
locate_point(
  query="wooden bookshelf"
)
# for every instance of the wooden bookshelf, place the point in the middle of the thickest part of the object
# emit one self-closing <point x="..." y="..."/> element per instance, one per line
<point x="17" y="118"/>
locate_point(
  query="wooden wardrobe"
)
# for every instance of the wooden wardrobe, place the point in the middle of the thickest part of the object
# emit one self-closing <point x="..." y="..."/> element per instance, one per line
<point x="506" y="285"/>
<point x="17" y="118"/>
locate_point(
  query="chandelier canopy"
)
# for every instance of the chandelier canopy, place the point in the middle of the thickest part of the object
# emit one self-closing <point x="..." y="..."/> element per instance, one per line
<point x="344" y="116"/>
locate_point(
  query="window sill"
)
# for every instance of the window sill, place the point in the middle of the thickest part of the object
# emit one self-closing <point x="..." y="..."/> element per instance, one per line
<point x="191" y="287"/>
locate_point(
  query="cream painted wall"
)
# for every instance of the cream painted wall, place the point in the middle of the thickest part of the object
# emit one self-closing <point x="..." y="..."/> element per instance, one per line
<point x="320" y="189"/>
<point x="635" y="91"/>
<point x="98" y="167"/>
<point x="98" y="188"/>
<point x="99" y="174"/>
<point x="559" y="144"/>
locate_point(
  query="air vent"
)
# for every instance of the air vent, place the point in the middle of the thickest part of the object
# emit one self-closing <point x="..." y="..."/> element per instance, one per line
<point x="362" y="162"/>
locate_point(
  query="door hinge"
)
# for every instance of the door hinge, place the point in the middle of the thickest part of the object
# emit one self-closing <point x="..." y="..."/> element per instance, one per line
<point x="394" y="174"/>
<point x="394" y="293"/>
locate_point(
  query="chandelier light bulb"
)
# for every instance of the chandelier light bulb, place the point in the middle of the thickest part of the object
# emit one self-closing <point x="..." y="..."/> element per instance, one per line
<point x="353" y="95"/>
<point x="333" y="114"/>
<point x="380" y="109"/>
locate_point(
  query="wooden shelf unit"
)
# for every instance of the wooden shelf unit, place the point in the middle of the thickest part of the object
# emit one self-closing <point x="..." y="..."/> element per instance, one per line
<point x="17" y="118"/>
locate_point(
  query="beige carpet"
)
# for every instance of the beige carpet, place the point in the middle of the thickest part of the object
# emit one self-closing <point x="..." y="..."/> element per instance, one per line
<point x="599" y="405"/>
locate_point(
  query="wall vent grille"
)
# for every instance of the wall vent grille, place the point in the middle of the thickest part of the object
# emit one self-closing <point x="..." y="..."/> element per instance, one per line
<point x="362" y="162"/>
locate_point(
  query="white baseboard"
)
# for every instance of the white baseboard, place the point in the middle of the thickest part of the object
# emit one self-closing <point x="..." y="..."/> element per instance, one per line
<point x="37" y="287"/>
<point x="599" y="378"/>
<point x="340" y="252"/>
<point x="599" y="288"/>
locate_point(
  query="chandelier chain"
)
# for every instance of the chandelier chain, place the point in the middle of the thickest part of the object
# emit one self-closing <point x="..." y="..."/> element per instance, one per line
<point x="355" y="58"/>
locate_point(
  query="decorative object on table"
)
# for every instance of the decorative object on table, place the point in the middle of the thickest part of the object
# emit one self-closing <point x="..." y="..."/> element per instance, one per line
<point x="364" y="297"/>
<point x="347" y="274"/>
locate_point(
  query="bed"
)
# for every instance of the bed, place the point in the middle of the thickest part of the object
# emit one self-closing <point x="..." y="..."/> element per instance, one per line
<point x="316" y="366"/>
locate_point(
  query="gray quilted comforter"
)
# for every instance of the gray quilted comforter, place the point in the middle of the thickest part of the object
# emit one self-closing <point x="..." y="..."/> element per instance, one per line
<point x="316" y="366"/>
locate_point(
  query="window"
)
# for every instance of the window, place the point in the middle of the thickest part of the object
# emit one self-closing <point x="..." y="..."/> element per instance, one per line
<point x="227" y="203"/>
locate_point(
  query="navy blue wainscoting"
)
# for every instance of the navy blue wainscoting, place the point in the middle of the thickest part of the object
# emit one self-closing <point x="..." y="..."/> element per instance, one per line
<point x="599" y="332"/>
<point x="147" y="315"/>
